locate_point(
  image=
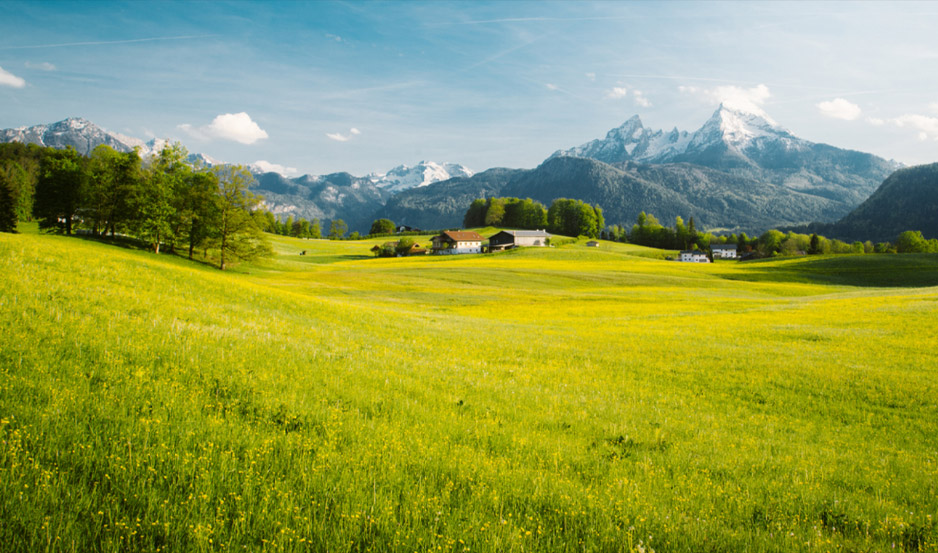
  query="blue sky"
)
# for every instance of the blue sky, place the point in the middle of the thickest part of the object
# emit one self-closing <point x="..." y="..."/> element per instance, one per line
<point x="320" y="87"/>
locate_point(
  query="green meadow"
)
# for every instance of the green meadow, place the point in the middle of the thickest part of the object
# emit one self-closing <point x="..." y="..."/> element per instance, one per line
<point x="562" y="399"/>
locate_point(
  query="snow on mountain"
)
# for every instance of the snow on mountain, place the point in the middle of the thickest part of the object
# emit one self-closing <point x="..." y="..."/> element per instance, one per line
<point x="424" y="173"/>
<point x="85" y="136"/>
<point x="736" y="130"/>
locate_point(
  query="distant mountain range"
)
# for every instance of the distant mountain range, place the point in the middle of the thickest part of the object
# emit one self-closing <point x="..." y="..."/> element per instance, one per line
<point x="738" y="171"/>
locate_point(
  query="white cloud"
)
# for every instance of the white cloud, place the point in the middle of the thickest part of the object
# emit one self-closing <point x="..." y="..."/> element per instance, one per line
<point x="591" y="76"/>
<point x="9" y="79"/>
<point x="617" y="93"/>
<point x="339" y="137"/>
<point x="552" y="86"/>
<point x="876" y="121"/>
<point x="839" y="108"/>
<point x="268" y="167"/>
<point x="926" y="126"/>
<point x="749" y="100"/>
<point x="44" y="66"/>
<point x="639" y="98"/>
<point x="336" y="38"/>
<point x="237" y="127"/>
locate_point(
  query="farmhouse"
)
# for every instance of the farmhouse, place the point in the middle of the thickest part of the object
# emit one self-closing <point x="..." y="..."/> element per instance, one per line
<point x="724" y="251"/>
<point x="694" y="256"/>
<point x="592" y="244"/>
<point x="508" y="239"/>
<point x="452" y="242"/>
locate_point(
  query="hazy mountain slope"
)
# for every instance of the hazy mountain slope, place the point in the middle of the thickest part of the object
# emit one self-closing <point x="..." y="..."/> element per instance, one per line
<point x="907" y="200"/>
<point x="327" y="197"/>
<point x="443" y="204"/>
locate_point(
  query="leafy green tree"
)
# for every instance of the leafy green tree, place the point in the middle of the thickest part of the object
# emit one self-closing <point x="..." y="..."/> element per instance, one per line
<point x="315" y="230"/>
<point x="355" y="235"/>
<point x="337" y="229"/>
<point x="475" y="215"/>
<point x="302" y="230"/>
<point x="239" y="237"/>
<point x="60" y="188"/>
<point x="14" y="181"/>
<point x="382" y="226"/>
<point x="495" y="213"/>
<point x="911" y="241"/>
<point x="814" y="247"/>
<point x="403" y="245"/>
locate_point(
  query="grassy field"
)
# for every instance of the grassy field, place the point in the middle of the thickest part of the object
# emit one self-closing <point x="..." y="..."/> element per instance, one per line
<point x="564" y="399"/>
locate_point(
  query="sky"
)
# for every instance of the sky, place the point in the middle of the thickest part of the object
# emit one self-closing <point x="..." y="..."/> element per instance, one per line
<point x="322" y="87"/>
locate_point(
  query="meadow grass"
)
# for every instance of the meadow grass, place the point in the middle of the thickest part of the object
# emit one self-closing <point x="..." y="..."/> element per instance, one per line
<point x="562" y="399"/>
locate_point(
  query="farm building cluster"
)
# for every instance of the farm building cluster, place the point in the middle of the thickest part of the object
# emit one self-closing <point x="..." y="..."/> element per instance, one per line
<point x="455" y="242"/>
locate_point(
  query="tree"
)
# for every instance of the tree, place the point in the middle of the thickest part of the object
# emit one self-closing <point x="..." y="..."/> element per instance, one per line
<point x="315" y="230"/>
<point x="403" y="246"/>
<point x="911" y="241"/>
<point x="475" y="215"/>
<point x="382" y="226"/>
<point x="62" y="179"/>
<point x="814" y="247"/>
<point x="13" y="183"/>
<point x="337" y="229"/>
<point x="238" y="235"/>
<point x="154" y="212"/>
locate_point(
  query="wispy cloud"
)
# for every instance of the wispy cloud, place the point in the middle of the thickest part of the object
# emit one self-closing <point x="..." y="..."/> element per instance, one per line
<point x="268" y="167"/>
<point x="237" y="127"/>
<point x="839" y="108"/>
<point x="552" y="86"/>
<point x="640" y="100"/>
<point x="749" y="100"/>
<point x="9" y="79"/>
<point x="103" y="42"/>
<point x="926" y="126"/>
<point x="43" y="66"/>
<point x="617" y="93"/>
<point x="339" y="137"/>
<point x="591" y="76"/>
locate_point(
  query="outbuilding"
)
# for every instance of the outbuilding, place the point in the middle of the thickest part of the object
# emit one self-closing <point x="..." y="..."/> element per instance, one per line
<point x="508" y="239"/>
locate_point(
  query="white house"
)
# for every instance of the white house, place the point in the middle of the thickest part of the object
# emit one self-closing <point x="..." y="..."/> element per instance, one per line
<point x="693" y="256"/>
<point x="454" y="242"/>
<point x="724" y="251"/>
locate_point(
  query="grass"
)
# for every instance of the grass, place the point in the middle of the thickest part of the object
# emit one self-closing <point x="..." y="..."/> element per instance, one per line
<point x="564" y="399"/>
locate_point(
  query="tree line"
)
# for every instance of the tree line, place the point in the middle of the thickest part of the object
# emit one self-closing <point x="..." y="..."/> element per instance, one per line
<point x="648" y="231"/>
<point x="565" y="216"/>
<point x="163" y="201"/>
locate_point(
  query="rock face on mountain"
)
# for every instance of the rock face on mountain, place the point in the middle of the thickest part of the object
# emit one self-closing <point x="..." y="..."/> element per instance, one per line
<point x="907" y="200"/>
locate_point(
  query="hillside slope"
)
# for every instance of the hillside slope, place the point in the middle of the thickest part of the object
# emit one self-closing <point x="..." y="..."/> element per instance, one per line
<point x="907" y="200"/>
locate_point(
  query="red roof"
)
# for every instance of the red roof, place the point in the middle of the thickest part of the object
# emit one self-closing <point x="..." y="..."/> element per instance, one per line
<point x="463" y="236"/>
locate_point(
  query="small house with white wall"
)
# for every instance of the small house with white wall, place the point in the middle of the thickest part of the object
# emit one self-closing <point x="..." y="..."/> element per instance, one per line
<point x="452" y="242"/>
<point x="693" y="256"/>
<point x="723" y="251"/>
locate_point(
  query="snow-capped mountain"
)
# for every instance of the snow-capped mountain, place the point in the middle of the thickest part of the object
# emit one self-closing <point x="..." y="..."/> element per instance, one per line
<point x="85" y="136"/>
<point x="632" y="142"/>
<point x="81" y="134"/>
<point x="404" y="177"/>
<point x="730" y="131"/>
